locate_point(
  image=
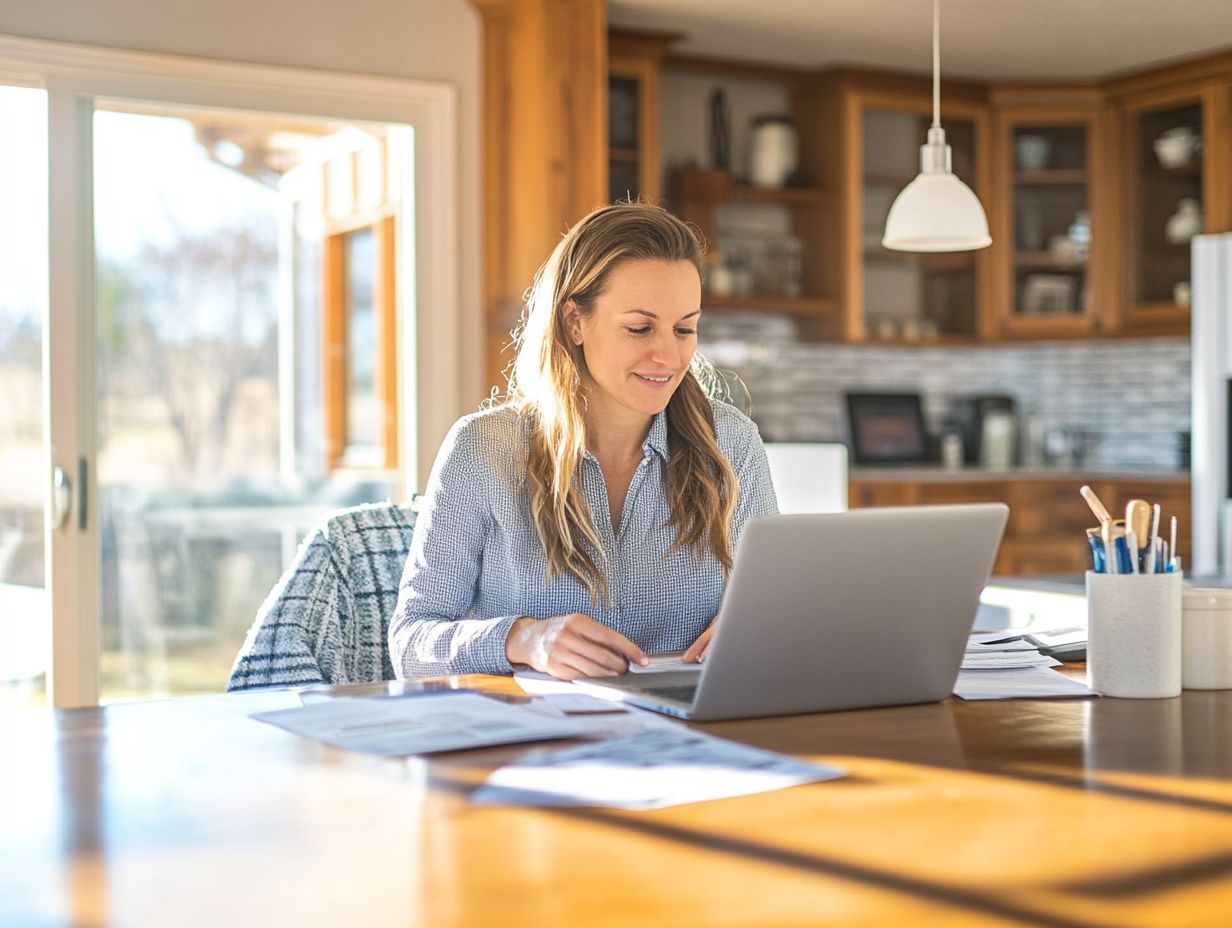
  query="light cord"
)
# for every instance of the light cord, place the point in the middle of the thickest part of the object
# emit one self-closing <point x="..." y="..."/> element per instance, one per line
<point x="936" y="64"/>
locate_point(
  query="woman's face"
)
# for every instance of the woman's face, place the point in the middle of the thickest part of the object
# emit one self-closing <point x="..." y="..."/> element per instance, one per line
<point x="639" y="338"/>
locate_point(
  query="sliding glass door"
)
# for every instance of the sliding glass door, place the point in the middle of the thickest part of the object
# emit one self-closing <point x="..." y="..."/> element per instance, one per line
<point x="228" y="351"/>
<point x="211" y="337"/>
<point x="25" y="612"/>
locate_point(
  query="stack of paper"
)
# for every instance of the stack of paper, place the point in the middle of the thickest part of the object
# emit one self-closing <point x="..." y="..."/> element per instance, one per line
<point x="423" y="723"/>
<point x="646" y="771"/>
<point x="1001" y="665"/>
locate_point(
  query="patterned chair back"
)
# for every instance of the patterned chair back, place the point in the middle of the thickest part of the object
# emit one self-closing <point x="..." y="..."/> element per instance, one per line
<point x="327" y="619"/>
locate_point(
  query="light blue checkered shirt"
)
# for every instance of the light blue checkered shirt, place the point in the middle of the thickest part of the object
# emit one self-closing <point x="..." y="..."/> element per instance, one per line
<point x="476" y="563"/>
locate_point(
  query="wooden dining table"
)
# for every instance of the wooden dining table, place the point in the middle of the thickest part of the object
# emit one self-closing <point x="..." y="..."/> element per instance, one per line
<point x="186" y="812"/>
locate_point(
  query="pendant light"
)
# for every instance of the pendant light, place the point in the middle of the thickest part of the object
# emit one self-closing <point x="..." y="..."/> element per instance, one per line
<point x="936" y="211"/>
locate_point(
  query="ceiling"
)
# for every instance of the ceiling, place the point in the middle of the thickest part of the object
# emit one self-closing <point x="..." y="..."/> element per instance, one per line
<point x="990" y="39"/>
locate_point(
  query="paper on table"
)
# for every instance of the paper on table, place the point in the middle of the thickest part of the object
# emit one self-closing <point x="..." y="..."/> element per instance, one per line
<point x="647" y="771"/>
<point x="999" y="641"/>
<point x="394" y="726"/>
<point x="1018" y="683"/>
<point x="1003" y="660"/>
<point x="615" y="720"/>
<point x="578" y="704"/>
<point x="542" y="684"/>
<point x="663" y="663"/>
<point x="551" y="694"/>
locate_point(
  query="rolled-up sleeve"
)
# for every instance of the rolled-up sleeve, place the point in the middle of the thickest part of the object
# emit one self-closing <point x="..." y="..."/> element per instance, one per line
<point x="431" y="632"/>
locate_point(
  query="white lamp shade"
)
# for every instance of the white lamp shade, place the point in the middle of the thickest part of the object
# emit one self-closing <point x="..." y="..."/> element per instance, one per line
<point x="936" y="212"/>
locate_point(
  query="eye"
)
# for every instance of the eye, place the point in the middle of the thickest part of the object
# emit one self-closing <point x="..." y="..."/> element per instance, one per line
<point x="639" y="330"/>
<point x="685" y="332"/>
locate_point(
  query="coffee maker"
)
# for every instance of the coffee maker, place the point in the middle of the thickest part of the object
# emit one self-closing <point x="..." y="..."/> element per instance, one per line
<point x="970" y="414"/>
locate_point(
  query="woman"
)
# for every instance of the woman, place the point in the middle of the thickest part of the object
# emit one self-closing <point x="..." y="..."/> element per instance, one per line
<point x="590" y="518"/>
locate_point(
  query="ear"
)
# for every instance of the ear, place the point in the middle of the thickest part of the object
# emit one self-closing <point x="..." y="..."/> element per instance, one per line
<point x="573" y="321"/>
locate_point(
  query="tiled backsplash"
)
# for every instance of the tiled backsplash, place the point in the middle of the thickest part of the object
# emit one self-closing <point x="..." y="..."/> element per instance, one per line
<point x="1131" y="397"/>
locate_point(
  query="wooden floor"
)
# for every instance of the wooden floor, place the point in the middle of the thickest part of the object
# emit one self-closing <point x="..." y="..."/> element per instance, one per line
<point x="185" y="812"/>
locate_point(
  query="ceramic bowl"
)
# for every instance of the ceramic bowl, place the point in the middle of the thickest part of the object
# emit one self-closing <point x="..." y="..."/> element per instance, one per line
<point x="1174" y="151"/>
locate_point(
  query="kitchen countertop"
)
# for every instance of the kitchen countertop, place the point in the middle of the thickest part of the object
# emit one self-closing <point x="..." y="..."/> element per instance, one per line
<point x="1075" y="584"/>
<point x="938" y="473"/>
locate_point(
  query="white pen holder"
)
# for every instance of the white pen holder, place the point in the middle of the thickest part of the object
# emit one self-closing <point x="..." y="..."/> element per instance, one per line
<point x="1134" y="634"/>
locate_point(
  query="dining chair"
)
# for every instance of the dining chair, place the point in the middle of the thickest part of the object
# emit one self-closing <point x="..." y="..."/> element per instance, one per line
<point x="327" y="619"/>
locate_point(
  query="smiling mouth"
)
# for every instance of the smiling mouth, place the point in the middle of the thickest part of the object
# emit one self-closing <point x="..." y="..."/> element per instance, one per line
<point x="666" y="378"/>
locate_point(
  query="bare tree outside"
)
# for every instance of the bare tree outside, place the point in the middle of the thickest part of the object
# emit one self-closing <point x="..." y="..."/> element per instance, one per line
<point x="193" y="323"/>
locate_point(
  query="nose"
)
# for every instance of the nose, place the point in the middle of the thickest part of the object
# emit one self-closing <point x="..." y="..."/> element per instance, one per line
<point x="666" y="350"/>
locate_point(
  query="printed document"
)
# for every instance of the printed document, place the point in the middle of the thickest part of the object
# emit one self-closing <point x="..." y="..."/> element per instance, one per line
<point x="647" y="771"/>
<point x="1018" y="683"/>
<point x="395" y="726"/>
<point x="1003" y="660"/>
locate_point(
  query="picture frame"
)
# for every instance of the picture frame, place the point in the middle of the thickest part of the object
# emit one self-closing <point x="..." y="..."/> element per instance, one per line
<point x="1049" y="295"/>
<point x="886" y="428"/>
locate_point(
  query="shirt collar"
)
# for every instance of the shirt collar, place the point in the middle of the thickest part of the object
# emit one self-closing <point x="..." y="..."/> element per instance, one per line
<point x="656" y="439"/>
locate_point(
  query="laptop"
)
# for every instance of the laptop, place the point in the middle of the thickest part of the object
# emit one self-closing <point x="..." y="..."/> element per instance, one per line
<point x="846" y="610"/>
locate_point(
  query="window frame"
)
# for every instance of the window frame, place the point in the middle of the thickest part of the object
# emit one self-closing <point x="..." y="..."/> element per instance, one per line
<point x="75" y="77"/>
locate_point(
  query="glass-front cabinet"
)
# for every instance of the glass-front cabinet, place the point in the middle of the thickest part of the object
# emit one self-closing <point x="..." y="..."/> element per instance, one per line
<point x="1048" y="227"/>
<point x="634" y="61"/>
<point x="1177" y="169"/>
<point x="903" y="297"/>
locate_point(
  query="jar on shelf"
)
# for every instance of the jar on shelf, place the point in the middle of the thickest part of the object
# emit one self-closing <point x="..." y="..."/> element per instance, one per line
<point x="1185" y="223"/>
<point x="773" y="156"/>
<point x="1080" y="229"/>
<point x="718" y="275"/>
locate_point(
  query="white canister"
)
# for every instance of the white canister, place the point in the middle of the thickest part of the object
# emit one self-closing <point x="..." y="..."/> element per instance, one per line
<point x="773" y="157"/>
<point x="1206" y="639"/>
<point x="1134" y="634"/>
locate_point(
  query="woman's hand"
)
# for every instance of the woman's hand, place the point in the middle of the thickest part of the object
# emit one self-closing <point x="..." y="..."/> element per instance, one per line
<point x="696" y="652"/>
<point x="570" y="646"/>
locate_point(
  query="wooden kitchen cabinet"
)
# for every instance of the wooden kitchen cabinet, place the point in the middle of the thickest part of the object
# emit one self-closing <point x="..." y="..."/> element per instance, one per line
<point x="1173" y="498"/>
<point x="1161" y="189"/>
<point x="699" y="196"/>
<point x="863" y="494"/>
<point x="1049" y="216"/>
<point x="633" y="66"/>
<point x="865" y="130"/>
<point x="1046" y="531"/>
<point x="552" y="72"/>
<point x="544" y="158"/>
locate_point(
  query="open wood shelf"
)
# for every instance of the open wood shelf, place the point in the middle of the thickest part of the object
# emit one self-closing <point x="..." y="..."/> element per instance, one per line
<point x="1044" y="260"/>
<point x="718" y="186"/>
<point x="1189" y="167"/>
<point x="928" y="261"/>
<point x="798" y="305"/>
<point x="1055" y="176"/>
<point x="923" y="341"/>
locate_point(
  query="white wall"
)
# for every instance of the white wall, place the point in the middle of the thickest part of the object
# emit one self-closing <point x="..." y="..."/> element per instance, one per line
<point x="438" y="40"/>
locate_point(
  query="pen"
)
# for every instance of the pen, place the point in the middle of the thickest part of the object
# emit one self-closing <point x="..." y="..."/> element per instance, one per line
<point x="1098" y="551"/>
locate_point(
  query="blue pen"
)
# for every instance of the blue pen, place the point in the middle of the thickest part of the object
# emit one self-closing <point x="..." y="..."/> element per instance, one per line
<point x="1098" y="554"/>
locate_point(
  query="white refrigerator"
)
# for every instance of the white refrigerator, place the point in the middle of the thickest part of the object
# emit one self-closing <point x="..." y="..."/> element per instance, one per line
<point x="1212" y="405"/>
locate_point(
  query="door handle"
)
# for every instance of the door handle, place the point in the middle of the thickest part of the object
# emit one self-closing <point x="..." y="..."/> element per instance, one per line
<point x="61" y="497"/>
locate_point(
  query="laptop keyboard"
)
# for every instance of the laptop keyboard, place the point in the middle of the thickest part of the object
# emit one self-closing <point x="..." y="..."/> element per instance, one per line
<point x="683" y="693"/>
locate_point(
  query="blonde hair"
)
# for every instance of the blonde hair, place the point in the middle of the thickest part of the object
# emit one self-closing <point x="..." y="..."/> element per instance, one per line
<point x="545" y="385"/>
